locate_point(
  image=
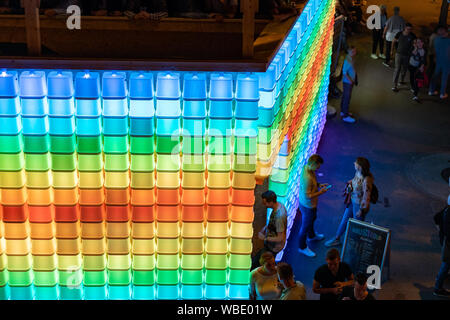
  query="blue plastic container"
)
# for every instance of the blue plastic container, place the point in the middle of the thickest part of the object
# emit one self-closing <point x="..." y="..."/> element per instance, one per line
<point x="142" y="126"/>
<point x="119" y="292"/>
<point x="268" y="79"/>
<point x="22" y="293"/>
<point x="215" y="292"/>
<point x="34" y="125"/>
<point x="221" y="109"/>
<point x="168" y="85"/>
<point x="95" y="293"/>
<point x="115" y="107"/>
<point x="61" y="107"/>
<point x="167" y="292"/>
<point x="32" y="84"/>
<point x="87" y="85"/>
<point x="247" y="87"/>
<point x="266" y="99"/>
<point x="60" y="85"/>
<point x="221" y="86"/>
<point x="61" y="126"/>
<point x="115" y="126"/>
<point x="114" y="85"/>
<point x="246" y="109"/>
<point x="194" y="86"/>
<point x="34" y="107"/>
<point x="46" y="293"/>
<point x="194" y="109"/>
<point x="220" y="127"/>
<point x="238" y="292"/>
<point x="9" y="84"/>
<point x="194" y="127"/>
<point x="70" y="293"/>
<point x="168" y="126"/>
<point x="141" y="85"/>
<point x="246" y="128"/>
<point x="10" y="106"/>
<point x="144" y="293"/>
<point x="89" y="126"/>
<point x="168" y="108"/>
<point x="142" y="108"/>
<point x="191" y="292"/>
<point x="88" y="107"/>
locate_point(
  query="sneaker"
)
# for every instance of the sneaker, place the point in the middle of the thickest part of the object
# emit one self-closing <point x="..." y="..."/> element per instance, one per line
<point x="443" y="96"/>
<point x="441" y="293"/>
<point x="349" y="119"/>
<point x="416" y="98"/>
<point x="374" y="56"/>
<point x="307" y="252"/>
<point x="432" y="93"/>
<point x="332" y="243"/>
<point x="350" y="114"/>
<point x="395" y="89"/>
<point x="318" y="237"/>
<point x="386" y="64"/>
<point x="382" y="56"/>
<point x="412" y="90"/>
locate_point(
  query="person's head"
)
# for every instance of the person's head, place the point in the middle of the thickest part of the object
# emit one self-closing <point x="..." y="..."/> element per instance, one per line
<point x="383" y="9"/>
<point x="442" y="31"/>
<point x="285" y="274"/>
<point x="360" y="284"/>
<point x="267" y="261"/>
<point x="408" y="28"/>
<point x="351" y="51"/>
<point x="269" y="199"/>
<point x="362" y="166"/>
<point x="419" y="43"/>
<point x="314" y="162"/>
<point x="396" y="11"/>
<point x="333" y="259"/>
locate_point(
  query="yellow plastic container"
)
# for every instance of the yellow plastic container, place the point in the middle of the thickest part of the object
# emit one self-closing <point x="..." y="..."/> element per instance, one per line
<point x="118" y="262"/>
<point x="192" y="230"/>
<point x="69" y="262"/>
<point x="64" y="179"/>
<point x="68" y="246"/>
<point x="243" y="180"/>
<point x="39" y="179"/>
<point x="192" y="246"/>
<point x="142" y="180"/>
<point x="219" y="180"/>
<point x="217" y="230"/>
<point x="14" y="230"/>
<point x="93" y="246"/>
<point x="143" y="230"/>
<point x="17" y="247"/>
<point x="91" y="180"/>
<point x="42" y="230"/>
<point x="43" y="247"/>
<point x="67" y="230"/>
<point x="167" y="230"/>
<point x="118" y="246"/>
<point x="168" y="261"/>
<point x="92" y="230"/>
<point x="241" y="246"/>
<point x="117" y="229"/>
<point x="3" y="262"/>
<point x="167" y="180"/>
<point x="241" y="230"/>
<point x="19" y="263"/>
<point x="12" y="179"/>
<point x="94" y="263"/>
<point x="143" y="246"/>
<point x="216" y="245"/>
<point x="167" y="246"/>
<point x="44" y="263"/>
<point x="193" y="180"/>
<point x="117" y="180"/>
<point x="144" y="262"/>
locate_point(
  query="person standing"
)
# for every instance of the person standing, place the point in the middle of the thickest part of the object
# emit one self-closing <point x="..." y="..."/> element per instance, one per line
<point x="309" y="193"/>
<point x="442" y="50"/>
<point x="442" y="220"/>
<point x="264" y="280"/>
<point x="333" y="277"/>
<point x="416" y="66"/>
<point x="405" y="40"/>
<point x="394" y="25"/>
<point x="349" y="79"/>
<point x="377" y="35"/>
<point x="360" y="188"/>
<point x="292" y="290"/>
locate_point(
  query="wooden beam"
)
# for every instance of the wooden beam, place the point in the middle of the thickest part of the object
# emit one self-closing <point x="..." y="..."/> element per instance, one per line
<point x="248" y="9"/>
<point x="32" y="27"/>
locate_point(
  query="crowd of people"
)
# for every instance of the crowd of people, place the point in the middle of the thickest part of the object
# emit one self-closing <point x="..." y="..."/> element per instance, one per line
<point x="156" y="9"/>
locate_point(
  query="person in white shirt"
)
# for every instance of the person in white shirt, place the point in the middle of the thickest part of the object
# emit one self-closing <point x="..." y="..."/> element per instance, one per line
<point x="264" y="280"/>
<point x="394" y="25"/>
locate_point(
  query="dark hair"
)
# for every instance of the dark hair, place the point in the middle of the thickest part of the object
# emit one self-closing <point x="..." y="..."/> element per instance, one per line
<point x="315" y="159"/>
<point x="361" y="278"/>
<point x="332" y="254"/>
<point x="285" y="271"/>
<point x="269" y="196"/>
<point x="396" y="9"/>
<point x="408" y="25"/>
<point x="365" y="166"/>
<point x="265" y="256"/>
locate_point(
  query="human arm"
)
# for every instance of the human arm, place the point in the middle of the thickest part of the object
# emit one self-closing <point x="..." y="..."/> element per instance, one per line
<point x="318" y="290"/>
<point x="262" y="233"/>
<point x="252" y="289"/>
<point x="367" y="190"/>
<point x="347" y="283"/>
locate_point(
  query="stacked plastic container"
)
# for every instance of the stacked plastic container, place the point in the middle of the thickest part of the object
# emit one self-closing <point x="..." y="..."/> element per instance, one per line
<point x="142" y="112"/>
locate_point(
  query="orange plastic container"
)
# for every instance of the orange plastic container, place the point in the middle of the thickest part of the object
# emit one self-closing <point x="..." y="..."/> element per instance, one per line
<point x="93" y="246"/>
<point x="65" y="197"/>
<point x="143" y="213"/>
<point x="167" y="213"/>
<point x="40" y="197"/>
<point x="42" y="247"/>
<point x="193" y="197"/>
<point x="143" y="230"/>
<point x="192" y="213"/>
<point x="15" y="213"/>
<point x="14" y="197"/>
<point x="218" y="197"/>
<point x="68" y="246"/>
<point x="67" y="213"/>
<point x="143" y="197"/>
<point x="118" y="229"/>
<point x="92" y="230"/>
<point x="117" y="197"/>
<point x="118" y="246"/>
<point x="67" y="230"/>
<point x="242" y="214"/>
<point x="242" y="197"/>
<point x="42" y="230"/>
<point x="16" y="230"/>
<point x="41" y="214"/>
<point x="217" y="213"/>
<point x="92" y="213"/>
<point x="168" y="196"/>
<point x="117" y="213"/>
<point x="91" y="197"/>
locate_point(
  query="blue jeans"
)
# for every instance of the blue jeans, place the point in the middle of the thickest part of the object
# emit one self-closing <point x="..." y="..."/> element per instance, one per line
<point x="309" y="215"/>
<point x="443" y="71"/>
<point x="350" y="212"/>
<point x="443" y="273"/>
<point x="346" y="96"/>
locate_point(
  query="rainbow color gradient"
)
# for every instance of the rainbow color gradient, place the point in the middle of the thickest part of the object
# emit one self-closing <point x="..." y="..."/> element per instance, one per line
<point x="140" y="185"/>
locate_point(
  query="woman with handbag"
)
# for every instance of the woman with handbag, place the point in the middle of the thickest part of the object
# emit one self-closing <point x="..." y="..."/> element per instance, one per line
<point x="358" y="193"/>
<point x="417" y="66"/>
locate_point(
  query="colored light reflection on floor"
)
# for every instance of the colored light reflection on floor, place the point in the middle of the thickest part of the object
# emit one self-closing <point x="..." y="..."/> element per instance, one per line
<point x="140" y="185"/>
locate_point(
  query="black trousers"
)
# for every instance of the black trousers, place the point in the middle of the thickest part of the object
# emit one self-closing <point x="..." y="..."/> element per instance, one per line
<point x="377" y="37"/>
<point x="388" y="51"/>
<point x="413" y="78"/>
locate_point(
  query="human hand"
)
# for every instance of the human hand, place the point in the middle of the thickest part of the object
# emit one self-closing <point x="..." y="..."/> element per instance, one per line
<point x="337" y="290"/>
<point x="339" y="284"/>
<point x="323" y="190"/>
<point x="323" y="185"/>
<point x="359" y="214"/>
<point x="261" y="236"/>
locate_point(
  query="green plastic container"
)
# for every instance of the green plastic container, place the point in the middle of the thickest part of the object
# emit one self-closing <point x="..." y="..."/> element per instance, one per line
<point x="192" y="261"/>
<point x="63" y="144"/>
<point x="244" y="163"/>
<point x="36" y="144"/>
<point x="142" y="145"/>
<point x="168" y="162"/>
<point x="11" y="144"/>
<point x="94" y="263"/>
<point x="216" y="276"/>
<point x="245" y="145"/>
<point x="144" y="278"/>
<point x="70" y="278"/>
<point x="115" y="144"/>
<point x="142" y="162"/>
<point x="94" y="278"/>
<point x="90" y="162"/>
<point x="89" y="144"/>
<point x="194" y="145"/>
<point x="240" y="261"/>
<point x="219" y="145"/>
<point x="216" y="261"/>
<point x="193" y="162"/>
<point x="167" y="277"/>
<point x="12" y="161"/>
<point x="239" y="276"/>
<point x="117" y="162"/>
<point x="119" y="277"/>
<point x="221" y="163"/>
<point x="168" y="144"/>
<point x="37" y="161"/>
<point x="3" y="278"/>
<point x="64" y="162"/>
<point x="45" y="278"/>
<point x="20" y="278"/>
<point x="192" y="277"/>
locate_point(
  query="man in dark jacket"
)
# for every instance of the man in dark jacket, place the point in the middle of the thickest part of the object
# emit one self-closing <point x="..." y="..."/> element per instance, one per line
<point x="442" y="219"/>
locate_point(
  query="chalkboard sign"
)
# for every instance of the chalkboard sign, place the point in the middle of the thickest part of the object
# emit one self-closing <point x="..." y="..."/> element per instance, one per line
<point x="365" y="244"/>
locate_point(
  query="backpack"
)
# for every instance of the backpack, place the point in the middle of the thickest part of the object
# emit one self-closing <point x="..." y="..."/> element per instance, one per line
<point x="374" y="194"/>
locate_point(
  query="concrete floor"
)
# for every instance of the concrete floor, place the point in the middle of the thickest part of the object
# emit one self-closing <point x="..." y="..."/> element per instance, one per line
<point x="408" y="145"/>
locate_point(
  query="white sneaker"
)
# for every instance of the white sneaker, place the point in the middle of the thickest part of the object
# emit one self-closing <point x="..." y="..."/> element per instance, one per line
<point x="374" y="56"/>
<point x="332" y="243"/>
<point x="349" y="119"/>
<point x="307" y="252"/>
<point x="432" y="93"/>
<point x="416" y="98"/>
<point x="382" y="56"/>
<point x="386" y="65"/>
<point x="318" y="237"/>
<point x="443" y="96"/>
